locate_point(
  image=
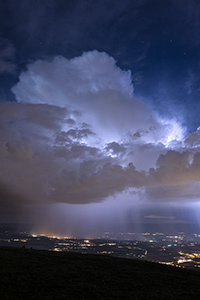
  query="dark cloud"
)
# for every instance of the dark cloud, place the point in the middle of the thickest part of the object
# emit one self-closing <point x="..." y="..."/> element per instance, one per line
<point x="73" y="187"/>
<point x="37" y="163"/>
<point x="7" y="57"/>
<point x="177" y="168"/>
<point x="116" y="149"/>
<point x="10" y="201"/>
<point x="176" y="177"/>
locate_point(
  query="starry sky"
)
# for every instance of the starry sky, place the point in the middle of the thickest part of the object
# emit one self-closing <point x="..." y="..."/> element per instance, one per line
<point x="99" y="113"/>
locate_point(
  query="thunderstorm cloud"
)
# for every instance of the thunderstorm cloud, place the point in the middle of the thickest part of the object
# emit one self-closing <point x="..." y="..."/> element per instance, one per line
<point x="78" y="134"/>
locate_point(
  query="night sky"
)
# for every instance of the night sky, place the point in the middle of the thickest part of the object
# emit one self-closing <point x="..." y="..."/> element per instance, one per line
<point x="99" y="113"/>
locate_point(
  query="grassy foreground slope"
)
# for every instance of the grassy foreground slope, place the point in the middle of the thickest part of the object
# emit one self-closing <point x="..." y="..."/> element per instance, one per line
<point x="36" y="274"/>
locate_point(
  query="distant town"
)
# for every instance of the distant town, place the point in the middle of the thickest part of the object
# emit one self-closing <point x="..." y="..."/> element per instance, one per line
<point x="158" y="247"/>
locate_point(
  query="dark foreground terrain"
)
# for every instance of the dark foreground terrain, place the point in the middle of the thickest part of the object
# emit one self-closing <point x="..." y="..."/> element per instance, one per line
<point x="39" y="274"/>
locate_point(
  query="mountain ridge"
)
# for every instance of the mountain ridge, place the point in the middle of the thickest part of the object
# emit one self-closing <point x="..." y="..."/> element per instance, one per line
<point x="41" y="274"/>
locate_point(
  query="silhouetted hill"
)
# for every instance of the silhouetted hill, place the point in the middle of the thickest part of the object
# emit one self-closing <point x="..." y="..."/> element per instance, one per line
<point x="37" y="274"/>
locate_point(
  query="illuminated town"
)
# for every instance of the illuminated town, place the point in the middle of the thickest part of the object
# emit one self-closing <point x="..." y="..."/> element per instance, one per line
<point x="158" y="247"/>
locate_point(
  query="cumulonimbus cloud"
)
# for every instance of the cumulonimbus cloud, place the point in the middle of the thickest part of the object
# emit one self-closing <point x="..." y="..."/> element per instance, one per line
<point x="77" y="133"/>
<point x="99" y="89"/>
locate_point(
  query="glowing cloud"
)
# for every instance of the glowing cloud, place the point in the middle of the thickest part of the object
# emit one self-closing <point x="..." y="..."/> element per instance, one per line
<point x="99" y="90"/>
<point x="78" y="133"/>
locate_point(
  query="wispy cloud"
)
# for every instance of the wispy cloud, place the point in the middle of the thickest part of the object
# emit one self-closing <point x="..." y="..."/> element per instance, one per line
<point x="7" y="57"/>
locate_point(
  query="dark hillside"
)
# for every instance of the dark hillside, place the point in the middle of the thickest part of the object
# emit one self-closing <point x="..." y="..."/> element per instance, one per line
<point x="37" y="274"/>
